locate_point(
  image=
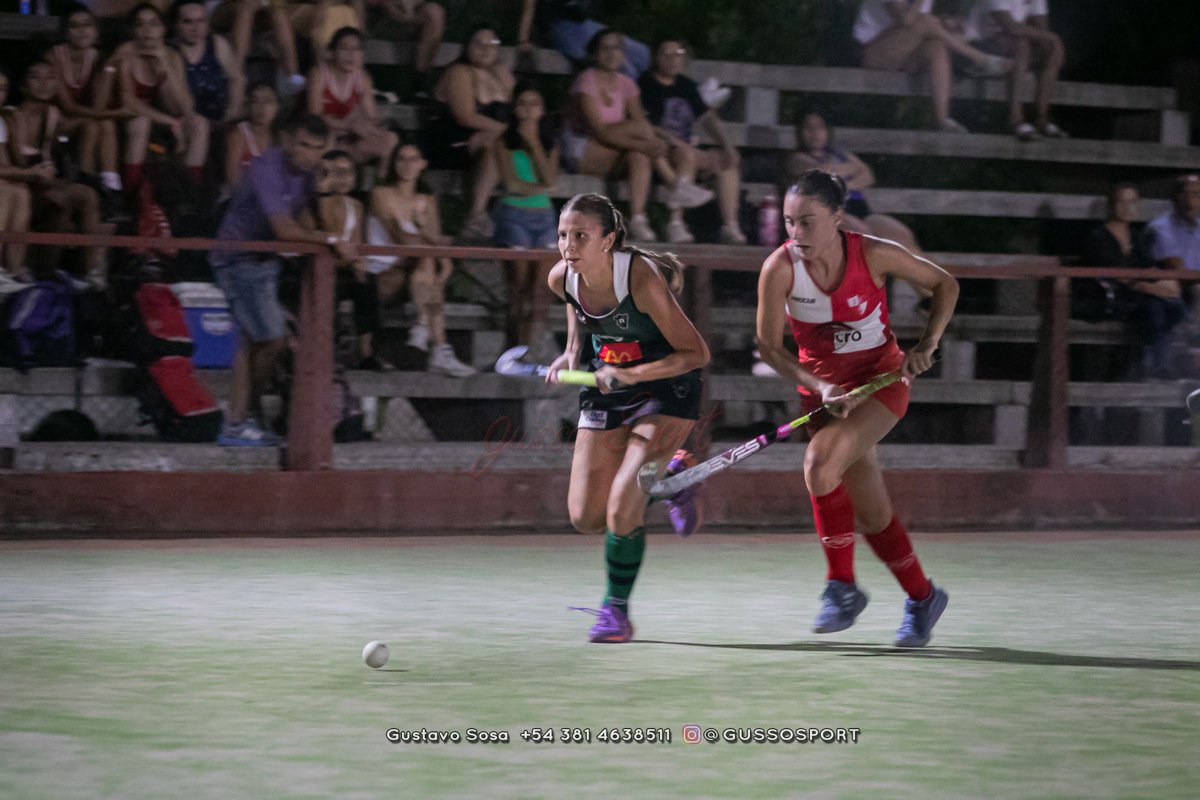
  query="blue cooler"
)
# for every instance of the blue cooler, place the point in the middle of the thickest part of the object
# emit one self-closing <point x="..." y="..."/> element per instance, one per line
<point x="212" y="327"/>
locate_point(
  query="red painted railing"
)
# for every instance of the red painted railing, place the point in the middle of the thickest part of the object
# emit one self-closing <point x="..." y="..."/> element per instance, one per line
<point x="310" y="443"/>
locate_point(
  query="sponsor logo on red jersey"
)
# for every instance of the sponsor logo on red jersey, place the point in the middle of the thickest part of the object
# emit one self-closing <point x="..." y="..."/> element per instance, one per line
<point x="620" y="352"/>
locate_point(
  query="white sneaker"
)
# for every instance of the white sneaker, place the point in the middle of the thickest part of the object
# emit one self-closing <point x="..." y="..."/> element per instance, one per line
<point x="640" y="230"/>
<point x="418" y="337"/>
<point x="8" y="283"/>
<point x="762" y="369"/>
<point x="443" y="361"/>
<point x="688" y="195"/>
<point x="951" y="125"/>
<point x="678" y="233"/>
<point x="714" y="94"/>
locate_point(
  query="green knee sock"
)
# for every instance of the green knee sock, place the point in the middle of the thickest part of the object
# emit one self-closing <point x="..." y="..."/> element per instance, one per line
<point x="623" y="555"/>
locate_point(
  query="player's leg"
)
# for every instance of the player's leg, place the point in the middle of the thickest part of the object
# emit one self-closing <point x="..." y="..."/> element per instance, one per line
<point x="889" y="540"/>
<point x="594" y="465"/>
<point x="831" y="452"/>
<point x="653" y="438"/>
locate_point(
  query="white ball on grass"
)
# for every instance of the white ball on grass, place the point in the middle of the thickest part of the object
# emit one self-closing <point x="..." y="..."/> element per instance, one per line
<point x="375" y="654"/>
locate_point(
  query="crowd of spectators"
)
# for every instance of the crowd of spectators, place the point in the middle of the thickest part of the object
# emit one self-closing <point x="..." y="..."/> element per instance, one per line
<point x="79" y="125"/>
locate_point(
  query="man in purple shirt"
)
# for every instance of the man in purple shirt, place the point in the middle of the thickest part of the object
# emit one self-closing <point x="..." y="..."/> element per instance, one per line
<point x="264" y="207"/>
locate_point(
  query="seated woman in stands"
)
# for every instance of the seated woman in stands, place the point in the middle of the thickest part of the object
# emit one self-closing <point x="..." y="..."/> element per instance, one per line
<point x="403" y="213"/>
<point x="15" y="202"/>
<point x="815" y="151"/>
<point x="1152" y="307"/>
<point x="476" y="93"/>
<point x="60" y="204"/>
<point x="527" y="158"/>
<point x="152" y="90"/>
<point x="80" y="71"/>
<point x="904" y="35"/>
<point x="337" y="211"/>
<point x="254" y="135"/>
<point x="608" y="134"/>
<point x="676" y="107"/>
<point x="342" y="92"/>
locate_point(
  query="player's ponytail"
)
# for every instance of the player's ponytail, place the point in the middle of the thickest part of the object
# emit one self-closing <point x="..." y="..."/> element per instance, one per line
<point x="612" y="221"/>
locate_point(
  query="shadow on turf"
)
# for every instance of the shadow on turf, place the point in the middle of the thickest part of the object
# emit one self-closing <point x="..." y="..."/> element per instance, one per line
<point x="1000" y="655"/>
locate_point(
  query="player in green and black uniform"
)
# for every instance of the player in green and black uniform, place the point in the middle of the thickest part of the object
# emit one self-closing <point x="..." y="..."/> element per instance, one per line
<point x="647" y="357"/>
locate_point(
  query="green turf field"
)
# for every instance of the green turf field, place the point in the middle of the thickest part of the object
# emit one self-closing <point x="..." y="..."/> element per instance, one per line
<point x="1065" y="666"/>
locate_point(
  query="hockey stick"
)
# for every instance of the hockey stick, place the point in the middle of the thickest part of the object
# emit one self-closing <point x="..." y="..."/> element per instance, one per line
<point x="510" y="363"/>
<point x="666" y="487"/>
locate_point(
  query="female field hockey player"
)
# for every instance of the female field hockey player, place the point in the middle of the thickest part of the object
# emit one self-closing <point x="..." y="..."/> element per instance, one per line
<point x="647" y="356"/>
<point x="829" y="285"/>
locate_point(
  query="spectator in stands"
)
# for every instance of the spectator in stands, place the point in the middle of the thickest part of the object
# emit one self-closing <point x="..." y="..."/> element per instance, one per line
<point x="266" y="206"/>
<point x="408" y="215"/>
<point x="1152" y="307"/>
<point x="565" y="25"/>
<point x="817" y="152"/>
<point x="476" y="92"/>
<point x="254" y="135"/>
<point x="337" y="211"/>
<point x="607" y="133"/>
<point x="239" y="18"/>
<point x="1020" y="30"/>
<point x="341" y="91"/>
<point x="425" y="22"/>
<point x="527" y="158"/>
<point x="215" y="78"/>
<point x="1175" y="237"/>
<point x="15" y="200"/>
<point x="1175" y="242"/>
<point x="59" y="203"/>
<point x="81" y="71"/>
<point x="674" y="106"/>
<point x="153" y="88"/>
<point x="904" y="35"/>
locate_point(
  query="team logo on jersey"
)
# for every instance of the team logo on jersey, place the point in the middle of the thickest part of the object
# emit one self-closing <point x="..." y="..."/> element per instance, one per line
<point x="620" y="352"/>
<point x="839" y="334"/>
<point x="622" y="321"/>
<point x="858" y="303"/>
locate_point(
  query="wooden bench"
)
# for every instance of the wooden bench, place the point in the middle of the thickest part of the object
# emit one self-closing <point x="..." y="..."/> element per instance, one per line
<point x="762" y="85"/>
<point x="544" y="407"/>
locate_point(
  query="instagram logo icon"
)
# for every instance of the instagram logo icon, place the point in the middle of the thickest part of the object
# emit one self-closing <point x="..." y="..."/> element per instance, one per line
<point x="691" y="734"/>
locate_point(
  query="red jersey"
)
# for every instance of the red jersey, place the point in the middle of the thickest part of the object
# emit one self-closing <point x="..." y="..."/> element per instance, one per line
<point x="843" y="336"/>
<point x="338" y="101"/>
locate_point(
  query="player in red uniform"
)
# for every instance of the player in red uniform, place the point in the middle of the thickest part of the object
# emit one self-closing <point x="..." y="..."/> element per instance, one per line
<point x="829" y="285"/>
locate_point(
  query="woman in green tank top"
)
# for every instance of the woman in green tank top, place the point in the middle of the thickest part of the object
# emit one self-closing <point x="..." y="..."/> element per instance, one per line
<point x="527" y="158"/>
<point x="647" y="357"/>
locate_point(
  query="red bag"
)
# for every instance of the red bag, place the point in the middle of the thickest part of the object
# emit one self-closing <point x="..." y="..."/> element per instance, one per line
<point x="162" y="329"/>
<point x="181" y="409"/>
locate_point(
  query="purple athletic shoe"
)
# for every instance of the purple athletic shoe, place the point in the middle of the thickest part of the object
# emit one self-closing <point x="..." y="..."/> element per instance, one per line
<point x="612" y="624"/>
<point x="682" y="507"/>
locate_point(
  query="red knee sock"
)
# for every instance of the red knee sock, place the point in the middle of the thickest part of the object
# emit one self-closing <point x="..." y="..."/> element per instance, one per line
<point x="132" y="177"/>
<point x="834" y="515"/>
<point x="894" y="548"/>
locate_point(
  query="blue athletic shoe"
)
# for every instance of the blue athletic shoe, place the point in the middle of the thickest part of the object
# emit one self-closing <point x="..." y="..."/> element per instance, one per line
<point x="841" y="603"/>
<point x="919" y="618"/>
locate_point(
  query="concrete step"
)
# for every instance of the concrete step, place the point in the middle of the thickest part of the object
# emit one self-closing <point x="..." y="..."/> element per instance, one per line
<point x="834" y="80"/>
